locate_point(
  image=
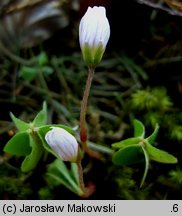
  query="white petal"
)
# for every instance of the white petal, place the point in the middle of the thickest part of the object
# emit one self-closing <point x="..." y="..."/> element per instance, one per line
<point x="94" y="32"/>
<point x="62" y="143"/>
<point x="94" y="27"/>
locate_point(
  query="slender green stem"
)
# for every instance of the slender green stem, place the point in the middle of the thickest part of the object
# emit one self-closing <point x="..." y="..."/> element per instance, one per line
<point x="83" y="127"/>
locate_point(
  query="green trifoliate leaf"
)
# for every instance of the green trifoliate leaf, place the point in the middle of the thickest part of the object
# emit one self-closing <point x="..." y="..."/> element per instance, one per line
<point x="152" y="137"/>
<point x="126" y="142"/>
<point x="41" y="117"/>
<point x="20" y="125"/>
<point x="139" y="129"/>
<point x="129" y="155"/>
<point x="159" y="155"/>
<point x="18" y="145"/>
<point x="31" y="160"/>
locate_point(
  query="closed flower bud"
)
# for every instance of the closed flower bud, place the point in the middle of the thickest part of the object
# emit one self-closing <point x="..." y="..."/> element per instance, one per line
<point x="94" y="32"/>
<point x="63" y="144"/>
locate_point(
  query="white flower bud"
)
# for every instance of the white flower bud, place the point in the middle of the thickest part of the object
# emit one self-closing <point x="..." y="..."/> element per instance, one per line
<point x="63" y="144"/>
<point x="94" y="33"/>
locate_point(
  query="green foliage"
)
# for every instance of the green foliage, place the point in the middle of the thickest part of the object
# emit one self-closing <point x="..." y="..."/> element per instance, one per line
<point x="45" y="194"/>
<point x="126" y="187"/>
<point x="59" y="174"/>
<point x="128" y="155"/>
<point x="18" y="144"/>
<point x="42" y="59"/>
<point x="159" y="155"/>
<point x="139" y="129"/>
<point x="29" y="141"/>
<point x="176" y="176"/>
<point x="26" y="142"/>
<point x="14" y="188"/>
<point x="20" y="125"/>
<point x="127" y="142"/>
<point x="153" y="136"/>
<point x="153" y="99"/>
<point x="157" y="107"/>
<point x="176" y="132"/>
<point x="28" y="73"/>
<point x="130" y="150"/>
<point x="13" y="184"/>
<point x="135" y="70"/>
<point x="124" y="75"/>
<point x="38" y="67"/>
<point x="31" y="160"/>
<point x="173" y="182"/>
<point x="41" y="117"/>
<point x="105" y="93"/>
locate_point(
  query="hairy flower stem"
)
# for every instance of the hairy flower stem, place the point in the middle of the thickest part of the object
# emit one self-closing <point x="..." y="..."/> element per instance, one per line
<point x="86" y="191"/>
<point x="83" y="127"/>
<point x="80" y="173"/>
